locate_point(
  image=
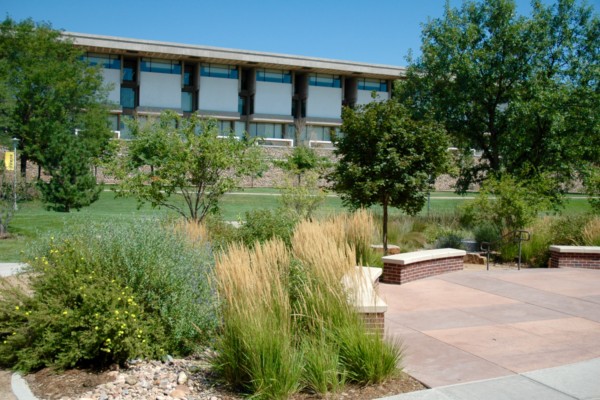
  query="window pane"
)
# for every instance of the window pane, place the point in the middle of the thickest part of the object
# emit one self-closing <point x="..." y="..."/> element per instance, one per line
<point x="240" y="128"/>
<point x="325" y="80"/>
<point x="242" y="105"/>
<point x="252" y="129"/>
<point x="372" y="84"/>
<point x="129" y="70"/>
<point x="326" y="134"/>
<point x="277" y="131"/>
<point x="233" y="73"/>
<point x="361" y="84"/>
<point x="176" y="70"/>
<point x="273" y="75"/>
<point x="145" y="66"/>
<point x="187" y="103"/>
<point x="161" y="66"/>
<point x="219" y="71"/>
<point x="205" y="70"/>
<point x="113" y="120"/>
<point x="337" y="82"/>
<point x="260" y="75"/>
<point x="127" y="97"/>
<point x="115" y="63"/>
<point x="125" y="132"/>
<point x="97" y="58"/>
<point x="312" y="80"/>
<point x="383" y="87"/>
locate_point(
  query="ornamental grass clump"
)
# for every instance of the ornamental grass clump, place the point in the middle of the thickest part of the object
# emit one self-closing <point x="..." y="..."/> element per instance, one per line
<point x="73" y="314"/>
<point x="289" y="321"/>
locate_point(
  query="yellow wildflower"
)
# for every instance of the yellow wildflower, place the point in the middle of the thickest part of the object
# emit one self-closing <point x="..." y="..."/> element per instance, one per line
<point x="52" y="238"/>
<point x="117" y="312"/>
<point x="144" y="341"/>
<point x="46" y="262"/>
<point x="17" y="307"/>
<point x="65" y="313"/>
<point x="133" y="315"/>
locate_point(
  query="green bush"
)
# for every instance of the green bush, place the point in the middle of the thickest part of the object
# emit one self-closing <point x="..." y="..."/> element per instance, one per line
<point x="77" y="314"/>
<point x="568" y="230"/>
<point x="485" y="233"/>
<point x="452" y="241"/>
<point x="536" y="251"/>
<point x="170" y="278"/>
<point x="264" y="224"/>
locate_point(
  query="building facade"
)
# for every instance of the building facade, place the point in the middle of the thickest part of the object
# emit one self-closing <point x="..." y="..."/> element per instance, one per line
<point x="263" y="94"/>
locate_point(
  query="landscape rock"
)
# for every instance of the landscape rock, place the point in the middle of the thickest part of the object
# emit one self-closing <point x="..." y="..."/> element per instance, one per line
<point x="131" y="380"/>
<point x="177" y="394"/>
<point x="392" y="249"/>
<point x="182" y="378"/>
<point x="474" y="258"/>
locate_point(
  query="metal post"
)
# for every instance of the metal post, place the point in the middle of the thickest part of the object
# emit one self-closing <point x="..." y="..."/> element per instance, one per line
<point x="15" y="141"/>
<point x="428" y="195"/>
<point x="519" y="251"/>
<point x="488" y="258"/>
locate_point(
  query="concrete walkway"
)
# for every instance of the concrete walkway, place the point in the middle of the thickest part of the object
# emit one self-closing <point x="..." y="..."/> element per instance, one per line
<point x="577" y="381"/>
<point x="471" y="326"/>
<point x="8" y="269"/>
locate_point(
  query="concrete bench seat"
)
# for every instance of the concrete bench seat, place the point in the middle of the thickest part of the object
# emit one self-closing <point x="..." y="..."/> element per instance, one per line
<point x="587" y="257"/>
<point x="408" y="267"/>
<point x="363" y="286"/>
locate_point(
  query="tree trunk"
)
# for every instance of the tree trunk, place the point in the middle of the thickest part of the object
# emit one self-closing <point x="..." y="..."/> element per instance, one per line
<point x="385" y="224"/>
<point x="39" y="172"/>
<point x="23" y="165"/>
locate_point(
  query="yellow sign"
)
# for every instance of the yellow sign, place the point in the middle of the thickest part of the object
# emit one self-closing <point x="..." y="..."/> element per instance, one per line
<point x="9" y="160"/>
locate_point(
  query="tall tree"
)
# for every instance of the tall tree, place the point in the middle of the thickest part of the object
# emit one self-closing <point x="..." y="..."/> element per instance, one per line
<point x="524" y="90"/>
<point x="53" y="91"/>
<point x="387" y="158"/>
<point x="193" y="161"/>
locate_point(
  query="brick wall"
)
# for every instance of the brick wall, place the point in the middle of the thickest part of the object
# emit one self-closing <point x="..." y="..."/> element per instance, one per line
<point x="375" y="321"/>
<point x="574" y="260"/>
<point x="399" y="274"/>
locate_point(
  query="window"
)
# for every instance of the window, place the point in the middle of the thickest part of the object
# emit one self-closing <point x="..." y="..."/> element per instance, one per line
<point x="303" y="109"/>
<point x="113" y="121"/>
<point x="188" y="75"/>
<point x="240" y="128"/>
<point x="317" y="133"/>
<point x="125" y="131"/>
<point x="161" y="66"/>
<point x="110" y="61"/>
<point x="242" y="105"/>
<point x="379" y="85"/>
<point x="127" y="97"/>
<point x="129" y="70"/>
<point x="273" y="75"/>
<point x="187" y="102"/>
<point x="274" y="131"/>
<point x="294" y="109"/>
<point x="324" y="80"/>
<point x="219" y="71"/>
<point x="251" y="111"/>
<point x="224" y="127"/>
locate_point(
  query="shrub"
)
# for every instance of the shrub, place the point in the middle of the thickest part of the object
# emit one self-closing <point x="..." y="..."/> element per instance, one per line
<point x="568" y="230"/>
<point x="264" y="224"/>
<point x="452" y="241"/>
<point x="514" y="205"/>
<point x="485" y="233"/>
<point x="77" y="314"/>
<point x="536" y="251"/>
<point x="302" y="197"/>
<point x="169" y="276"/>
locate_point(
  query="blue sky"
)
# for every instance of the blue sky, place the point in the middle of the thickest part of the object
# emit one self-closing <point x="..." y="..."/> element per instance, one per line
<point x="379" y="31"/>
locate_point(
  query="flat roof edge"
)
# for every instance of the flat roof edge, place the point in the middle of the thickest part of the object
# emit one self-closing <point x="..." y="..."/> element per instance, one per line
<point x="189" y="50"/>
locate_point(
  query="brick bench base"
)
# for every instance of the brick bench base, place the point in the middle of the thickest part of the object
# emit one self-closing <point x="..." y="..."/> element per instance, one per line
<point x="573" y="260"/>
<point x="398" y="274"/>
<point x="375" y="322"/>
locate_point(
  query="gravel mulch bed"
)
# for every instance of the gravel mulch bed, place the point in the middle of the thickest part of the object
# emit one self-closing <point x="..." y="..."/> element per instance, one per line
<point x="189" y="379"/>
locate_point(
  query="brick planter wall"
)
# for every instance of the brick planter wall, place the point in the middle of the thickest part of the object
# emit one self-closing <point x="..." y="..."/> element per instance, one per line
<point x="375" y="321"/>
<point x="574" y="260"/>
<point x="398" y="274"/>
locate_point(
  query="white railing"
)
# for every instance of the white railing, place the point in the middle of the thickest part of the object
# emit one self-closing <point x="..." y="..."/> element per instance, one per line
<point x="322" y="144"/>
<point x="278" y="142"/>
<point x="227" y="137"/>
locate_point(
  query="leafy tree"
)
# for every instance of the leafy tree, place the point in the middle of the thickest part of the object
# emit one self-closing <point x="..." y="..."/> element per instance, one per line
<point x="508" y="202"/>
<point x="524" y="90"/>
<point x="592" y="189"/>
<point x="53" y="92"/>
<point x="302" y="160"/>
<point x="191" y="161"/>
<point x="302" y="197"/>
<point x="386" y="158"/>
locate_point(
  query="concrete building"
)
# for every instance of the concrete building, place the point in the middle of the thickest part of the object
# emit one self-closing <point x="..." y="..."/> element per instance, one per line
<point x="264" y="94"/>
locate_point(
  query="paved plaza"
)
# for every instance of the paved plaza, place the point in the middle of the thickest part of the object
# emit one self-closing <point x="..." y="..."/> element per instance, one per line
<point x="470" y="326"/>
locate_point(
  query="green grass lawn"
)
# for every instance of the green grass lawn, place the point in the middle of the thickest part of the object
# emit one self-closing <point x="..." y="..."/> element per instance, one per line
<point x="34" y="219"/>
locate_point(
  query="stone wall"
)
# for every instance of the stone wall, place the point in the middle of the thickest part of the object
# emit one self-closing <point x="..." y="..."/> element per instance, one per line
<point x="269" y="178"/>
